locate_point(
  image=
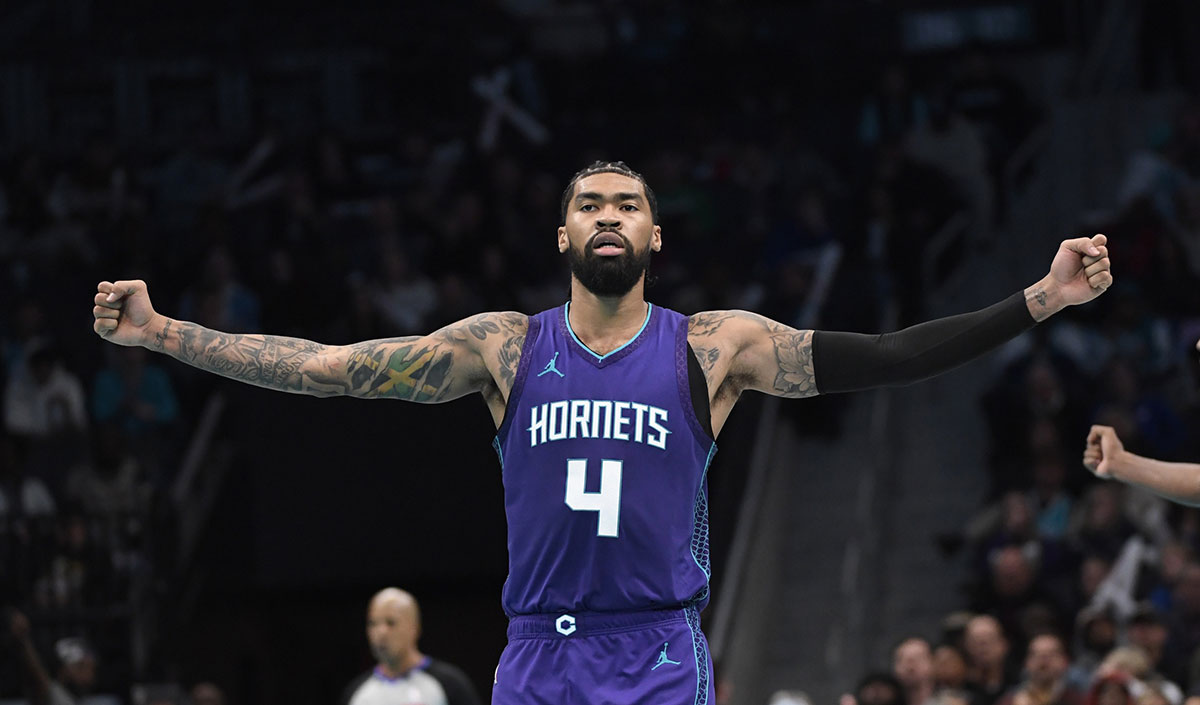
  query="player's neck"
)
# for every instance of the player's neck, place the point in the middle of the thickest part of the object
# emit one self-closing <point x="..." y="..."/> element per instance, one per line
<point x="606" y="322"/>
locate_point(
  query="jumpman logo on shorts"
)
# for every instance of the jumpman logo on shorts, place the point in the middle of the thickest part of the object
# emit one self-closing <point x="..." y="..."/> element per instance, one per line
<point x="662" y="658"/>
<point x="550" y="367"/>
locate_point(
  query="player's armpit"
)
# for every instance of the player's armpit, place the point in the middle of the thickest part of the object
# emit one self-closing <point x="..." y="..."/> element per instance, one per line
<point x="742" y="350"/>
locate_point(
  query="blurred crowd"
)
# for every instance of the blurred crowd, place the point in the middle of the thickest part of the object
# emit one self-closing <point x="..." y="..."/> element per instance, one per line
<point x="337" y="236"/>
<point x="339" y="239"/>
<point x="1077" y="590"/>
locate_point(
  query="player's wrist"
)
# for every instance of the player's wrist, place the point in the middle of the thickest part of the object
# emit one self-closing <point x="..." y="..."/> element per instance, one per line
<point x="153" y="330"/>
<point x="1118" y="465"/>
<point x="1044" y="299"/>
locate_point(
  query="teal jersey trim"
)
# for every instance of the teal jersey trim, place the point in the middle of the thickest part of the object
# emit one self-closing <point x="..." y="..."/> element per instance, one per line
<point x="700" y="532"/>
<point x="567" y="317"/>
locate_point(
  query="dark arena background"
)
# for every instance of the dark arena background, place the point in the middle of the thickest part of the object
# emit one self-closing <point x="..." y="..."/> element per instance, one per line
<point x="355" y="170"/>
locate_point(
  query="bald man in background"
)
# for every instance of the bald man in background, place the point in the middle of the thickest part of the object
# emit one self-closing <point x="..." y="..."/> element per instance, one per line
<point x="404" y="675"/>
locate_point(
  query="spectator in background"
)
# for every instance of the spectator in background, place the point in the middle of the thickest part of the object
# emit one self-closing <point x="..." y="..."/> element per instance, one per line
<point x="135" y="394"/>
<point x="949" y="668"/>
<point x="923" y="199"/>
<point x="206" y="693"/>
<point x="1113" y="689"/>
<point x="220" y="299"/>
<point x="405" y="298"/>
<point x="80" y="572"/>
<point x="1006" y="522"/>
<point x="1095" y="637"/>
<point x="98" y="189"/>
<point x="994" y="103"/>
<point x="111" y="482"/>
<point x="1184" y="624"/>
<point x="1155" y="174"/>
<point x="879" y="689"/>
<point x="404" y="674"/>
<point x="1139" y="335"/>
<point x="1094" y="569"/>
<point x="1046" y="666"/>
<point x="1101" y="527"/>
<point x="44" y="400"/>
<point x="1147" y="631"/>
<point x="893" y="110"/>
<point x="954" y="146"/>
<point x="912" y="665"/>
<point x="1013" y="590"/>
<point x="1049" y="495"/>
<point x="950" y="696"/>
<point x="1157" y="428"/>
<point x="76" y="675"/>
<point x="1134" y="661"/>
<point x="21" y="495"/>
<point x="1173" y="556"/>
<point x="989" y="675"/>
<point x="27" y="331"/>
<point x="1035" y="403"/>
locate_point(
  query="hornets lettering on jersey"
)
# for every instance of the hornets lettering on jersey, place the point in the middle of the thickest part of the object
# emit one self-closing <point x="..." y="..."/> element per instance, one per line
<point x="600" y="419"/>
<point x="603" y="461"/>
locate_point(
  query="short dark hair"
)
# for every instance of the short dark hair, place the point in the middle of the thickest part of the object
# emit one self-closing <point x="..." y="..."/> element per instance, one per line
<point x="599" y="167"/>
<point x="1062" y="641"/>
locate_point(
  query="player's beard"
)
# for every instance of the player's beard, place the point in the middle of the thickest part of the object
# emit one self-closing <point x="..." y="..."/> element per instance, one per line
<point x="605" y="275"/>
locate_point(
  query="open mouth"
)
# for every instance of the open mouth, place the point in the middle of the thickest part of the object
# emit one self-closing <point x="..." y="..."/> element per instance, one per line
<point x="608" y="243"/>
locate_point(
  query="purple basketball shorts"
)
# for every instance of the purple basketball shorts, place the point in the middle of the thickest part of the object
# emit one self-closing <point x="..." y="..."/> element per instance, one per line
<point x="594" y="658"/>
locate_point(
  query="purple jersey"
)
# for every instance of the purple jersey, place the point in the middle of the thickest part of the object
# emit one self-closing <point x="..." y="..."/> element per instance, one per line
<point x="604" y="465"/>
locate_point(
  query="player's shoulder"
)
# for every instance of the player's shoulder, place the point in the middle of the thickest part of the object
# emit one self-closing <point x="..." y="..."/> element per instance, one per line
<point x="491" y="328"/>
<point x="497" y="321"/>
<point x="733" y="325"/>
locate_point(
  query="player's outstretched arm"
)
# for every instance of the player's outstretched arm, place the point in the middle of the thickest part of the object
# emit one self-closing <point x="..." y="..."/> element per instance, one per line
<point x="1106" y="456"/>
<point x="741" y="350"/>
<point x="464" y="357"/>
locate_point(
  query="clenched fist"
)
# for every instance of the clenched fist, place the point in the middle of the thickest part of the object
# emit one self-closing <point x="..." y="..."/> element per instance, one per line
<point x="123" y="312"/>
<point x="1103" y="449"/>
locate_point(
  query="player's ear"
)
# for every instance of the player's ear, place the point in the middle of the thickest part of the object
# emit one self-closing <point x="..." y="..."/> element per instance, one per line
<point x="656" y="239"/>
<point x="563" y="242"/>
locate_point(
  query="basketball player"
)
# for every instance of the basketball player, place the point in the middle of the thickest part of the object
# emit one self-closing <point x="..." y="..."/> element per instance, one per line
<point x="1106" y="456"/>
<point x="404" y="675"/>
<point x="607" y="408"/>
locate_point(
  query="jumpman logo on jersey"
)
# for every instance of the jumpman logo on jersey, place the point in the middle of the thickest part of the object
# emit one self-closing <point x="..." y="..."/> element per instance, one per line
<point x="550" y="367"/>
<point x="662" y="658"/>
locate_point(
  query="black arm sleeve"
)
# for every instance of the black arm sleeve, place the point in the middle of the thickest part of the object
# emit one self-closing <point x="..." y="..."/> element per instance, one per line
<point x="845" y="362"/>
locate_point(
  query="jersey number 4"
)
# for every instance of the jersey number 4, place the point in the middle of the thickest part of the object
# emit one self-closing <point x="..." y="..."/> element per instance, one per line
<point x="606" y="502"/>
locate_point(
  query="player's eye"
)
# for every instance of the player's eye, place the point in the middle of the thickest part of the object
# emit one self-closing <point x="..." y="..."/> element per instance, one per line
<point x="629" y="206"/>
<point x="587" y="207"/>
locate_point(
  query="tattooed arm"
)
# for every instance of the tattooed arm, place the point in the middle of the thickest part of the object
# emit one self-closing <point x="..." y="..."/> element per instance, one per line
<point x="739" y="350"/>
<point x="479" y="354"/>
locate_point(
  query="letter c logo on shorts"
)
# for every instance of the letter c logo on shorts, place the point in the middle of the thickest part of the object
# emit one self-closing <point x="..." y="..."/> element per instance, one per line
<point x="565" y="625"/>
